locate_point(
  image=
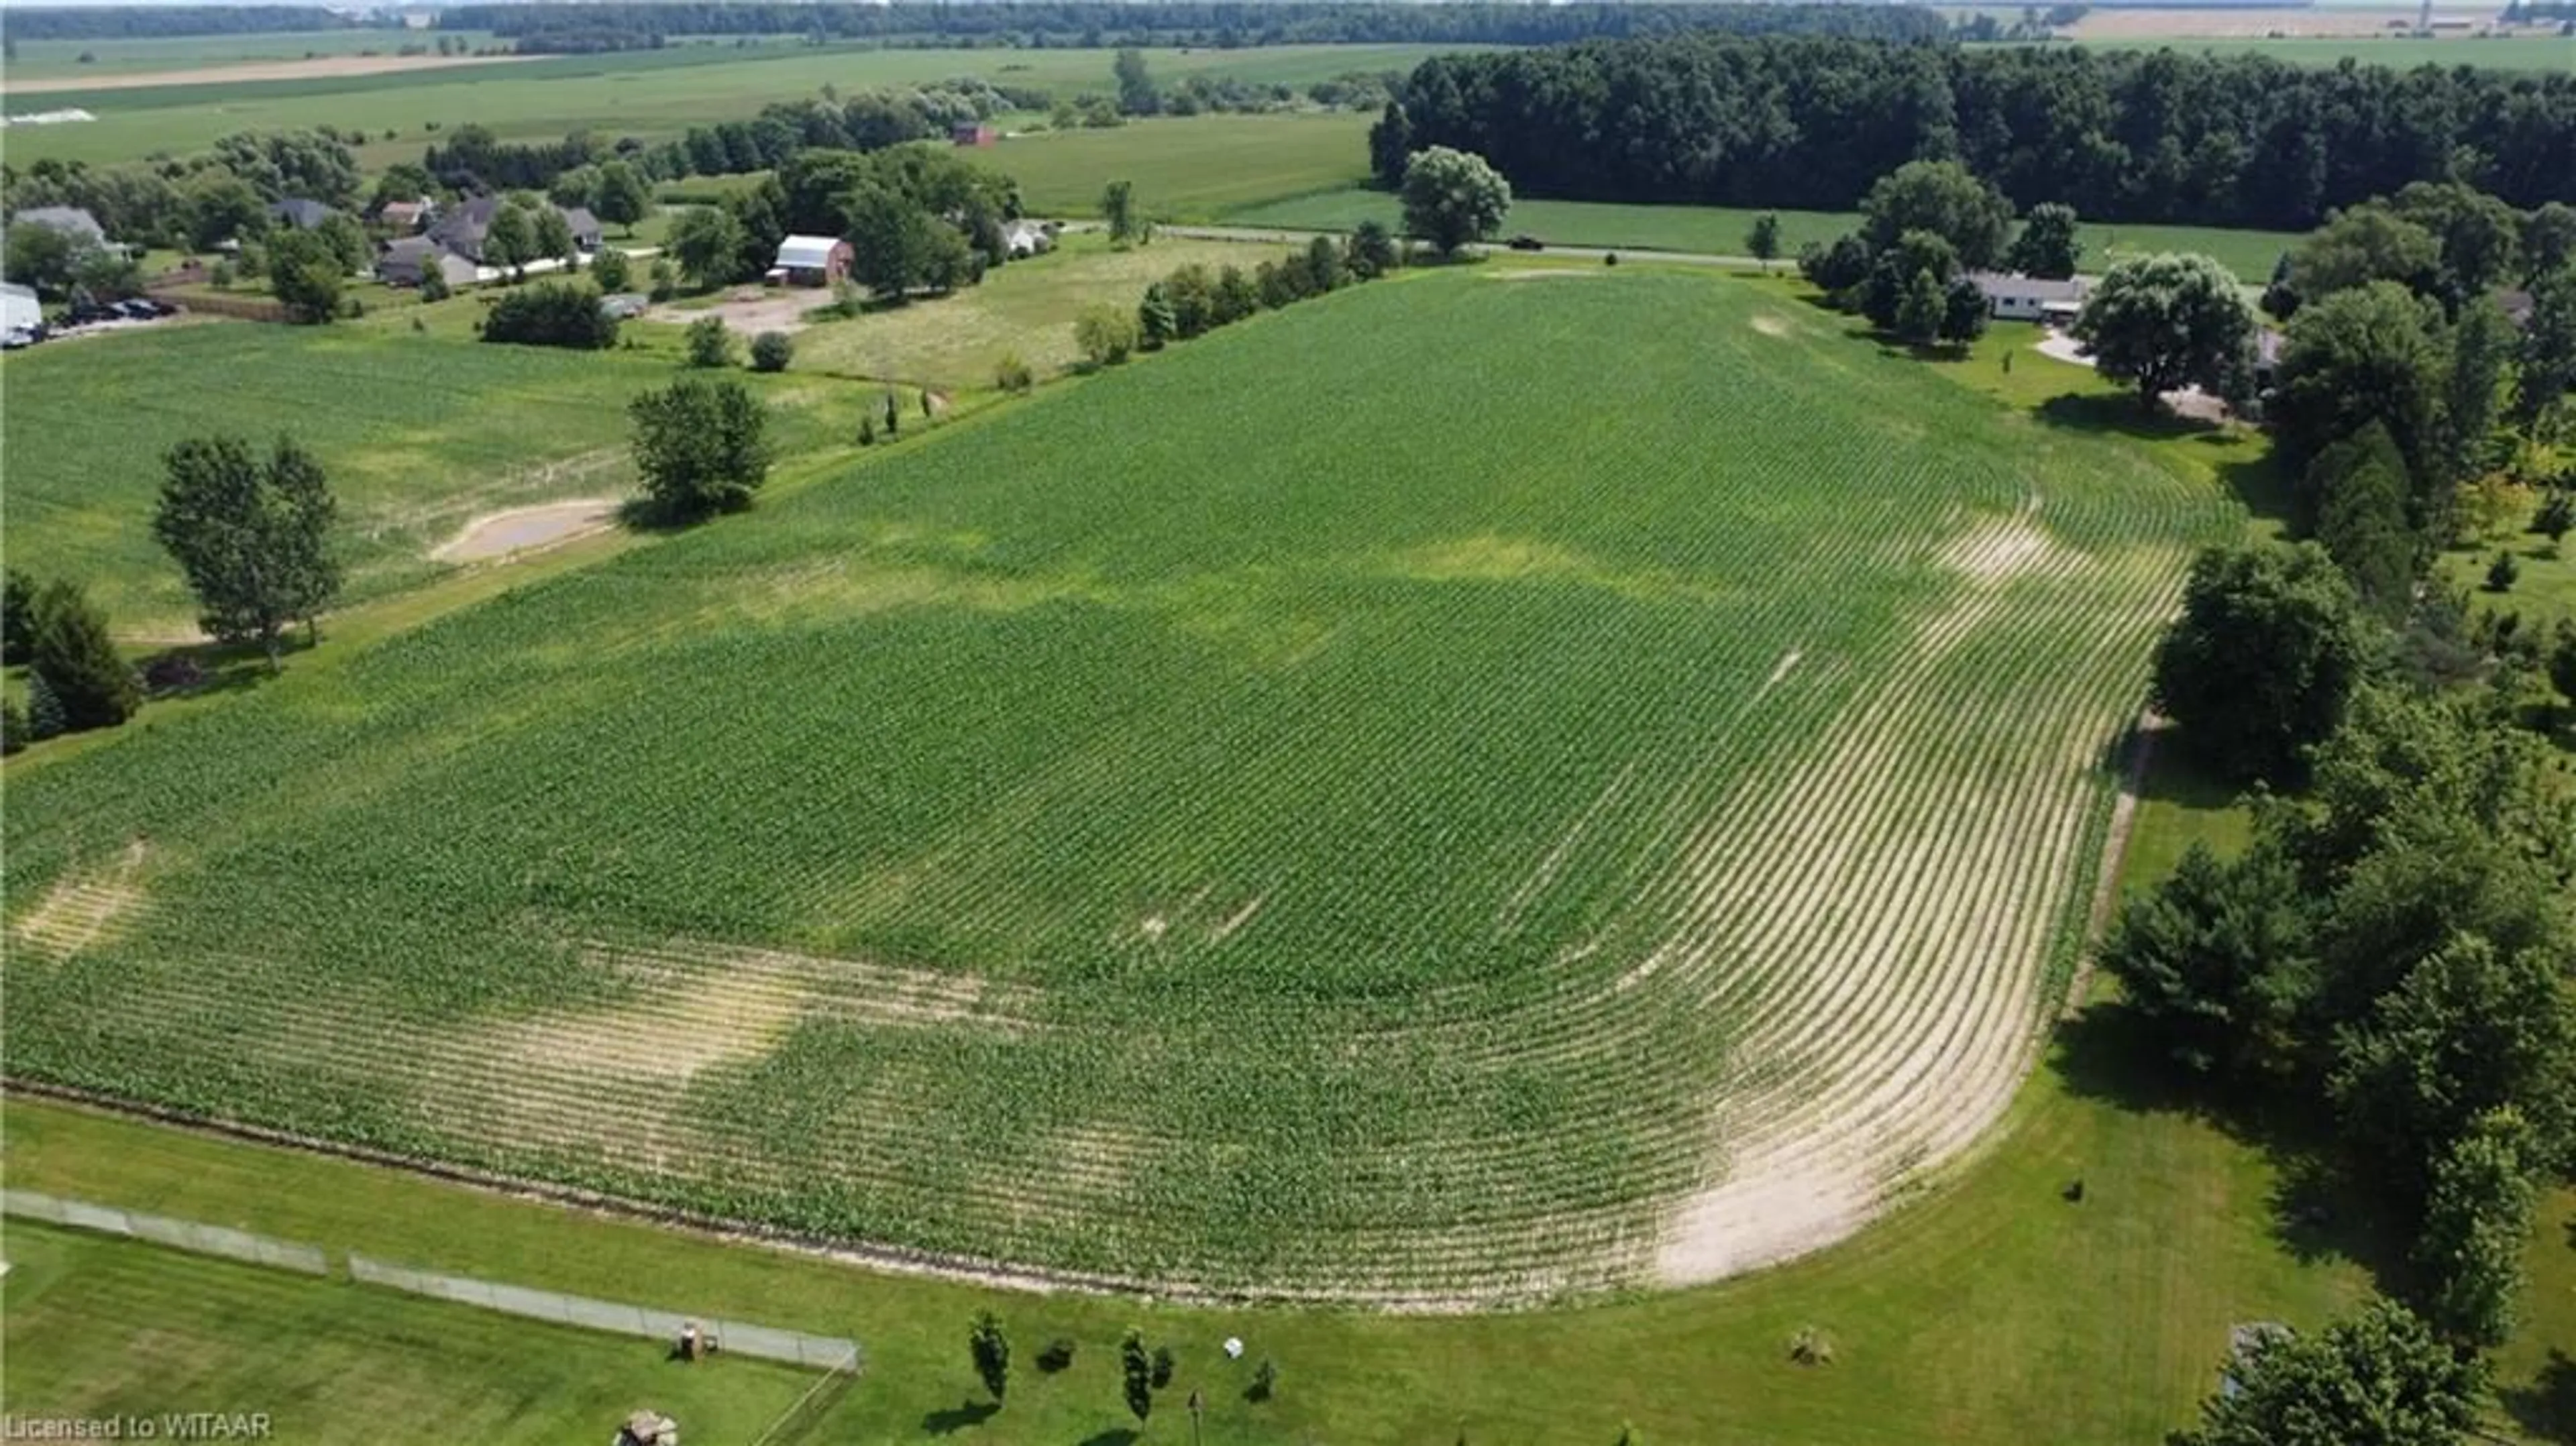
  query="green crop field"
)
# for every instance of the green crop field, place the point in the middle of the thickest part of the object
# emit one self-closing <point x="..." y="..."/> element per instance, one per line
<point x="1188" y="170"/>
<point x="1221" y="823"/>
<point x="649" y="94"/>
<point x="418" y="432"/>
<point x="1720" y="230"/>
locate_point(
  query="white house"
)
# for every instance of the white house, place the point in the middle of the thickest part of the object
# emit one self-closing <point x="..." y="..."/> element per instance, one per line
<point x="2029" y="298"/>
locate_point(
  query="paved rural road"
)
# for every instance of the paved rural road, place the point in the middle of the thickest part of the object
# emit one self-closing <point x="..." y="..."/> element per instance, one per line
<point x="1594" y="253"/>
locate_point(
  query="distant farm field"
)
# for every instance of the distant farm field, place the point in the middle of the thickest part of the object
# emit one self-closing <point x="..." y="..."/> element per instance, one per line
<point x="2532" y="52"/>
<point x="1221" y="823"/>
<point x="648" y="94"/>
<point x="1721" y="230"/>
<point x="419" y="433"/>
<point x="48" y="59"/>
<point x="1188" y="170"/>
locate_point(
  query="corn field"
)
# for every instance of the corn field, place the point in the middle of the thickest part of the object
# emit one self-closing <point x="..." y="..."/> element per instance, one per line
<point x="1467" y="790"/>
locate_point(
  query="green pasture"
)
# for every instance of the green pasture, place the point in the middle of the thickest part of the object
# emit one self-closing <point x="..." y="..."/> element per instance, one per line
<point x="1187" y="170"/>
<point x="1720" y="230"/>
<point x="1117" y="783"/>
<point x="419" y="432"/>
<point x="1026" y="309"/>
<point x="97" y="1327"/>
<point x="648" y="94"/>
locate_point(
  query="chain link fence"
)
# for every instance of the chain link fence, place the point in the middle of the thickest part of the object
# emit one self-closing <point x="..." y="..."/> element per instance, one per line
<point x="822" y="1353"/>
<point x="163" y="1230"/>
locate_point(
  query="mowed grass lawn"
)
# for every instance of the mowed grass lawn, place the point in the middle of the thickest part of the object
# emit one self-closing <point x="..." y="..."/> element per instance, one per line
<point x="647" y="94"/>
<point x="1721" y="230"/>
<point x="98" y="1327"/>
<point x="418" y="432"/>
<point x="1026" y="309"/>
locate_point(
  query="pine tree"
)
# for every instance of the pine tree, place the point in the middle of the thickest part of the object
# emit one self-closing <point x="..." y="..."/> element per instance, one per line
<point x="992" y="1352"/>
<point x="1138" y="1373"/>
<point x="89" y="685"/>
<point x="44" y="710"/>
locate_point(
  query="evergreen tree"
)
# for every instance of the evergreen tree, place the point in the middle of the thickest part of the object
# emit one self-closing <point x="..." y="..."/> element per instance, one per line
<point x="1762" y="240"/>
<point x="1137" y="1373"/>
<point x="1920" y="313"/>
<point x="2357" y="489"/>
<point x="1155" y="323"/>
<point x="45" y="717"/>
<point x="86" y="684"/>
<point x="992" y="1352"/>
<point x="17" y="617"/>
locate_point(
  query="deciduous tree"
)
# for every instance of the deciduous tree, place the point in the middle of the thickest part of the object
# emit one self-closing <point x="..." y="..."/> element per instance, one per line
<point x="706" y="241"/>
<point x="1453" y="197"/>
<point x="2166" y="322"/>
<point x="2475" y="1222"/>
<point x="1762" y="239"/>
<point x="252" y="536"/>
<point x="701" y="447"/>
<point x="2212" y="955"/>
<point x="2378" y="1378"/>
<point x="1944" y="198"/>
<point x="624" y="197"/>
<point x="2361" y="355"/>
<point x="2047" y="245"/>
<point x="306" y="275"/>
<point x="2263" y="659"/>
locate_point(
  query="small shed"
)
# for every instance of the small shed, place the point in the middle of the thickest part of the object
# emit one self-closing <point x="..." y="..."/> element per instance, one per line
<point x="971" y="133"/>
<point x="812" y="260"/>
<point x="2013" y="297"/>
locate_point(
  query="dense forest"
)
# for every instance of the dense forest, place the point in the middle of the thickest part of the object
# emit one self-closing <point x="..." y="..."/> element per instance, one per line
<point x="1148" y="22"/>
<point x="142" y="21"/>
<point x="1810" y="122"/>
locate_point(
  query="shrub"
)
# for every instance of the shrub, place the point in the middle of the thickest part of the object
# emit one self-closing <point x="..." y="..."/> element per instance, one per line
<point x="771" y="351"/>
<point x="1265" y="1380"/>
<point x="44" y="710"/>
<point x="1163" y="1365"/>
<point x="552" y="313"/>
<point x="868" y="430"/>
<point x="13" y="727"/>
<point x="1013" y="375"/>
<point x="1057" y="1355"/>
<point x="433" y="286"/>
<point x="1610" y="258"/>
<point x="1105" y="334"/>
<point x="710" y="345"/>
<point x="1811" y="1347"/>
<point x="2503" y="573"/>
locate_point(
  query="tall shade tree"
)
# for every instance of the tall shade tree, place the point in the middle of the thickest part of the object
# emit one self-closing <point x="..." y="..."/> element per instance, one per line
<point x="701" y="447"/>
<point x="84" y="683"/>
<point x="2264" y="658"/>
<point x="551" y="235"/>
<point x="2047" y="245"/>
<point x="510" y="240"/>
<point x="1136" y="93"/>
<point x="2362" y="245"/>
<point x="2210" y="957"/>
<point x="2166" y="322"/>
<point x="1944" y="198"/>
<point x="706" y="241"/>
<point x="2548" y="345"/>
<point x="1452" y="198"/>
<point x="2548" y="241"/>
<point x="2475" y="1222"/>
<point x="624" y="198"/>
<point x="2368" y="354"/>
<point x="306" y="274"/>
<point x="2474" y="391"/>
<point x="2378" y="1378"/>
<point x="251" y="534"/>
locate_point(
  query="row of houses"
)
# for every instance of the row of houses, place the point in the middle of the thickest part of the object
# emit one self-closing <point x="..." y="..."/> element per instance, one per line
<point x="454" y="242"/>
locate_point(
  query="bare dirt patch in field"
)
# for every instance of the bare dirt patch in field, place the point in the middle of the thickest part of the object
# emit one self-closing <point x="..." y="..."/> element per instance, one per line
<point x="83" y="907"/>
<point x="751" y="311"/>
<point x="318" y="68"/>
<point x="498" y="534"/>
<point x="1770" y="325"/>
<point x="2228" y="24"/>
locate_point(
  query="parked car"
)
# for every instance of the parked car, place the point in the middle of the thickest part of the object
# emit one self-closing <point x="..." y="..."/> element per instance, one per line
<point x="1526" y="242"/>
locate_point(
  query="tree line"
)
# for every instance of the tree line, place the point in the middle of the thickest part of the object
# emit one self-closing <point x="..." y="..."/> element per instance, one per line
<point x="1811" y="122"/>
<point x="537" y="27"/>
<point x="122" y="22"/>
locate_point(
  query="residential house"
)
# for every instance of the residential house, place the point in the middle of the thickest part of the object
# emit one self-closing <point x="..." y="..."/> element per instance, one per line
<point x="72" y="221"/>
<point x="407" y="261"/>
<point x="463" y="229"/>
<point x="298" y="212"/>
<point x="811" y="261"/>
<point x="2011" y="297"/>
<point x="406" y="217"/>
<point x="971" y="133"/>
